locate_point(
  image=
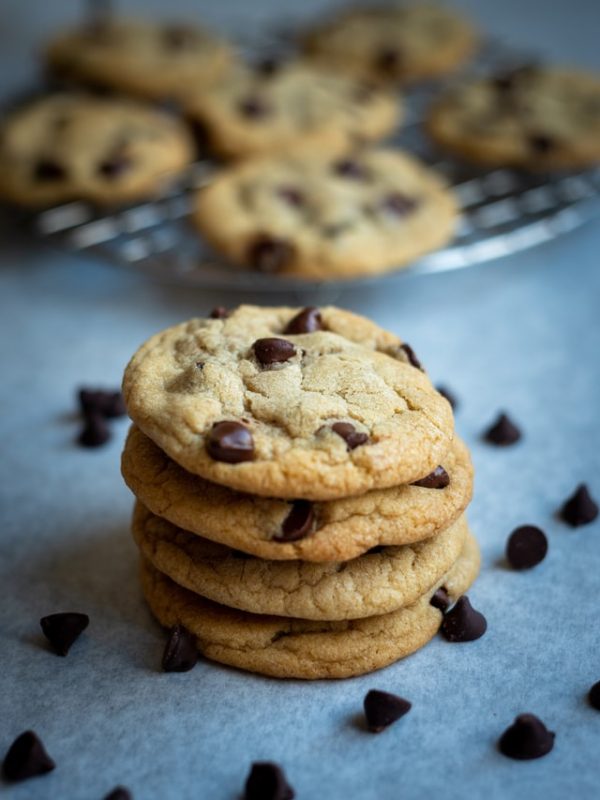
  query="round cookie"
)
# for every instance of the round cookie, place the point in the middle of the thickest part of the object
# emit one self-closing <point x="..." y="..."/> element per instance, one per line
<point x="394" y="43"/>
<point x="535" y="118"/>
<point x="258" y="112"/>
<point x="309" y="215"/>
<point x="309" y="415"/>
<point x="338" y="531"/>
<point x="72" y="146"/>
<point x="155" y="60"/>
<point x="295" y="648"/>
<point x="373" y="584"/>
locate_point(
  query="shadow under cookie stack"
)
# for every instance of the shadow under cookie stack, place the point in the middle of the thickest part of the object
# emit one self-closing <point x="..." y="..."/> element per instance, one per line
<point x="300" y="491"/>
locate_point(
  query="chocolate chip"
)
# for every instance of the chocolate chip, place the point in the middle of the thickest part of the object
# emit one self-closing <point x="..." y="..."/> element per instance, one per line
<point x="441" y="600"/>
<point x="119" y="793"/>
<point x="410" y="356"/>
<point x="349" y="434"/>
<point x="383" y="708"/>
<point x="463" y="623"/>
<point x="349" y="168"/>
<point x="219" y="312"/>
<point x="181" y="651"/>
<point x="503" y="432"/>
<point x="308" y="320"/>
<point x="268" y="254"/>
<point x="507" y="81"/>
<point x="176" y="37"/>
<point x="95" y="431"/>
<point x="399" y="204"/>
<point x="438" y="479"/>
<point x="291" y="195"/>
<point x="99" y="401"/>
<point x="526" y="547"/>
<point x="580" y="508"/>
<point x="387" y="61"/>
<point x="594" y="696"/>
<point x="267" y="781"/>
<point x="379" y="548"/>
<point x="267" y="67"/>
<point x="62" y="630"/>
<point x="26" y="758"/>
<point x="230" y="442"/>
<point x="46" y="170"/>
<point x="541" y="144"/>
<point x="526" y="738"/>
<point x="298" y="522"/>
<point x="115" y="165"/>
<point x="254" y="108"/>
<point x="450" y="397"/>
<point x="273" y="351"/>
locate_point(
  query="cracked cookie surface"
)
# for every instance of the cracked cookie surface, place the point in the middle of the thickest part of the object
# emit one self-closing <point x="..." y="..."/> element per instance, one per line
<point x="253" y="112"/>
<point x="533" y="117"/>
<point x="296" y="648"/>
<point x="373" y="584"/>
<point x="319" y="415"/>
<point x="73" y="146"/>
<point x="313" y="216"/>
<point x="341" y="529"/>
<point x="157" y="60"/>
<point x="394" y="43"/>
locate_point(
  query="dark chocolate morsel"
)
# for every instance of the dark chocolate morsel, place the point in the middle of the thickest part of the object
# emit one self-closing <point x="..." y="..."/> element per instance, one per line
<point x="230" y="442"/>
<point x="95" y="431"/>
<point x="594" y="696"/>
<point x="267" y="67"/>
<point x="308" y="320"/>
<point x="181" y="651"/>
<point x="269" y="254"/>
<point x="119" y="793"/>
<point x="526" y="738"/>
<point x="99" y="401"/>
<point x="450" y="397"/>
<point x="580" y="508"/>
<point x="115" y="165"/>
<point x="438" y="479"/>
<point x="526" y="547"/>
<point x="388" y="60"/>
<point x="219" y="312"/>
<point x="503" y="432"/>
<point x="272" y="350"/>
<point x="463" y="623"/>
<point x="349" y="434"/>
<point x="298" y="522"/>
<point x="254" y="108"/>
<point x="267" y="781"/>
<point x="383" y="708"/>
<point x="26" y="758"/>
<point x="399" y="204"/>
<point x="349" y="168"/>
<point x="540" y="143"/>
<point x="411" y="356"/>
<point x="46" y="170"/>
<point x="441" y="600"/>
<point x="63" y="629"/>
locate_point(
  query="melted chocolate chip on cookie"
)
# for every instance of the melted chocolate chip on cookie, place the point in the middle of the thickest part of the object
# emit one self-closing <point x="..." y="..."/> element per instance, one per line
<point x="230" y="442"/>
<point x="382" y="709"/>
<point x="308" y="320"/>
<point x="349" y="168"/>
<point x="62" y="630"/>
<point x="438" y="479"/>
<point x="541" y="143"/>
<point x="291" y="195"/>
<point x="115" y="165"/>
<point x="269" y="254"/>
<point x="298" y="523"/>
<point x="273" y="351"/>
<point x="254" y="108"/>
<point x="48" y="171"/>
<point x="526" y="738"/>
<point x="441" y="600"/>
<point x="388" y="61"/>
<point x="349" y="434"/>
<point x="399" y="204"/>
<point x="26" y="758"/>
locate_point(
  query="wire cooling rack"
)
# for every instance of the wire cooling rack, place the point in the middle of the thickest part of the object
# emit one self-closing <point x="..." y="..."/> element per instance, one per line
<point x="503" y="211"/>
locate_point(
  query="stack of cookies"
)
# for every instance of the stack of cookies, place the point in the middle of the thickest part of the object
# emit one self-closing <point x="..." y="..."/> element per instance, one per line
<point x="300" y="491"/>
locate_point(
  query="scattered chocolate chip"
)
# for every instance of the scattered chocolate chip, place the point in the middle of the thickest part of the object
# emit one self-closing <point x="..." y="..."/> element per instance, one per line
<point x="181" y="651"/>
<point x="388" y="60"/>
<point x="526" y="547"/>
<point x="267" y="781"/>
<point x="219" y="312"/>
<point x="349" y="434"/>
<point x="349" y="168"/>
<point x="95" y="431"/>
<point x="594" y="696"/>
<point x="383" y="708"/>
<point x="450" y="397"/>
<point x="254" y="108"/>
<point x="526" y="738"/>
<point x="273" y="351"/>
<point x="411" y="356"/>
<point x="541" y="144"/>
<point x="62" y="630"/>
<point x="119" y="793"/>
<point x="115" y="165"/>
<point x="47" y="170"/>
<point x="580" y="508"/>
<point x="399" y="204"/>
<point x="503" y="432"/>
<point x="308" y="320"/>
<point x="268" y="254"/>
<point x="230" y="442"/>
<point x="298" y="522"/>
<point x="441" y="600"/>
<point x="463" y="623"/>
<point x="105" y="403"/>
<point x="291" y="195"/>
<point x="26" y="758"/>
<point x="438" y="479"/>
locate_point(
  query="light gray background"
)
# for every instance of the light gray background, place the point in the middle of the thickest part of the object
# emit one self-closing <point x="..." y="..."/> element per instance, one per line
<point x="521" y="334"/>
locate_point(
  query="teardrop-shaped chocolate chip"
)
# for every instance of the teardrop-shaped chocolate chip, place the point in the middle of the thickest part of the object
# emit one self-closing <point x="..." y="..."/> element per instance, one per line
<point x="441" y="600"/>
<point x="383" y="708"/>
<point x="580" y="508"/>
<point x="349" y="434"/>
<point x="273" y="351"/>
<point x="270" y="254"/>
<point x="230" y="442"/>
<point x="308" y="320"/>
<point x="181" y="651"/>
<point x="503" y="432"/>
<point x="219" y="312"/>
<point x="594" y="696"/>
<point x="26" y="758"/>
<point x="438" y="479"/>
<point x="267" y="781"/>
<point x="526" y="738"/>
<point x="463" y="623"/>
<point x="298" y="523"/>
<point x="63" y="629"/>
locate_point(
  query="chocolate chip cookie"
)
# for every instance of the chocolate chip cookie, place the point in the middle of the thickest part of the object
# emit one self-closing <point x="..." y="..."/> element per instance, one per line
<point x="313" y="216"/>
<point x="394" y="43"/>
<point x="72" y="146"/>
<point x="533" y="117"/>
<point x="267" y="402"/>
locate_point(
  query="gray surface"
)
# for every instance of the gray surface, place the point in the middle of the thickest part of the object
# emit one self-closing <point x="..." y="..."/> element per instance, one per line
<point x="522" y="334"/>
